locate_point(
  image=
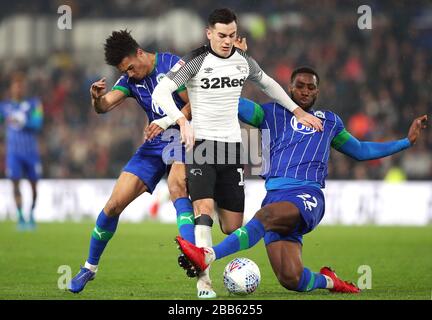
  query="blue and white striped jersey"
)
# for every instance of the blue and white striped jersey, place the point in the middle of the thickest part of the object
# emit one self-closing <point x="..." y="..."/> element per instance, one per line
<point x="23" y="122"/>
<point x="142" y="90"/>
<point x="294" y="155"/>
<point x="296" y="151"/>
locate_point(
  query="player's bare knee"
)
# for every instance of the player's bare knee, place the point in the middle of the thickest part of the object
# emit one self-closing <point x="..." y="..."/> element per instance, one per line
<point x="289" y="281"/>
<point x="113" y="208"/>
<point x="266" y="216"/>
<point x="228" y="229"/>
<point x="224" y="229"/>
<point x="203" y="207"/>
<point x="177" y="189"/>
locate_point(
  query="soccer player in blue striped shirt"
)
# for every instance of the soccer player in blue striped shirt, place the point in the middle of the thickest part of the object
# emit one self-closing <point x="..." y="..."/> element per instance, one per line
<point x="141" y="72"/>
<point x="295" y="174"/>
<point x="23" y="116"/>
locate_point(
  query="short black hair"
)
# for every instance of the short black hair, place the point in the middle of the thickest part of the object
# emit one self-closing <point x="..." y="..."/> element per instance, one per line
<point x="119" y="45"/>
<point x="304" y="69"/>
<point x="222" y="15"/>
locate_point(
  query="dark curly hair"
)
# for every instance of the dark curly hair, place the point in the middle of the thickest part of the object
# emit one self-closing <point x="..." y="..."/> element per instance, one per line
<point x="119" y="45"/>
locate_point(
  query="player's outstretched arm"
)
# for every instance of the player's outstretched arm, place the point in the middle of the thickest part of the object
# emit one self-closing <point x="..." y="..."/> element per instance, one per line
<point x="417" y="126"/>
<point x="250" y="112"/>
<point x="365" y="150"/>
<point x="104" y="102"/>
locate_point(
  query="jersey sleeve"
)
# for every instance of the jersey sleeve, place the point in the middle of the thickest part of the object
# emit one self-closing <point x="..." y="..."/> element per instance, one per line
<point x="173" y="60"/>
<point x="187" y="67"/>
<point x="365" y="150"/>
<point x="255" y="71"/>
<point x="35" y="115"/>
<point x="341" y="134"/>
<point x="122" y="85"/>
<point x="250" y="112"/>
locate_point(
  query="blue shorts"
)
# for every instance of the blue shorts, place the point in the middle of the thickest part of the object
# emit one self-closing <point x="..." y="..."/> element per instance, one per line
<point x="150" y="162"/>
<point x="20" y="166"/>
<point x="311" y="204"/>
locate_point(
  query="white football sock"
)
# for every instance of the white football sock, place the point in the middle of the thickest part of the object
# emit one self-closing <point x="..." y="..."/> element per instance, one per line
<point x="330" y="283"/>
<point x="91" y="267"/>
<point x="203" y="238"/>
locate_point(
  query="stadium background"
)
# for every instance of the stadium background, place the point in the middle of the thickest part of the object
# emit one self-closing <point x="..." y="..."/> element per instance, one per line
<point x="377" y="80"/>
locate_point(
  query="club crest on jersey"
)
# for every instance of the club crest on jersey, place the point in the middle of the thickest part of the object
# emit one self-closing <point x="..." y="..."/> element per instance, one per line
<point x="159" y="77"/>
<point x="242" y="69"/>
<point x="297" y="126"/>
<point x="319" y="114"/>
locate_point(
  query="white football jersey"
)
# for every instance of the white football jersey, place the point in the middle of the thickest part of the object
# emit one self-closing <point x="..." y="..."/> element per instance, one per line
<point x="214" y="85"/>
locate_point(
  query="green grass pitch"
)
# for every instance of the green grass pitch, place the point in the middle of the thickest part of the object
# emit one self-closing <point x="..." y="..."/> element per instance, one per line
<point x="140" y="262"/>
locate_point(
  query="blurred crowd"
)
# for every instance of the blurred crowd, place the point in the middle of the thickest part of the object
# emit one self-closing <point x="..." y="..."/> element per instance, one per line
<point x="377" y="80"/>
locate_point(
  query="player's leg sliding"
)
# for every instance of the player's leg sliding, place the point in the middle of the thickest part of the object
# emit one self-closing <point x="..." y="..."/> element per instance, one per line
<point x="203" y="238"/>
<point x="102" y="233"/>
<point x="241" y="239"/>
<point x="336" y="284"/>
<point x="310" y="281"/>
<point x="246" y="237"/>
<point x="325" y="279"/>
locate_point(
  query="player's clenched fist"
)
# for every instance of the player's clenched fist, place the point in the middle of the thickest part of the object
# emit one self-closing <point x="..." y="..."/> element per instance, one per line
<point x="98" y="88"/>
<point x="416" y="127"/>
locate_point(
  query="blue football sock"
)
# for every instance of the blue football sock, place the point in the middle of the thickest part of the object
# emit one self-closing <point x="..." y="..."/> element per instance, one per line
<point x="185" y="219"/>
<point x="241" y="239"/>
<point x="102" y="233"/>
<point x="310" y="281"/>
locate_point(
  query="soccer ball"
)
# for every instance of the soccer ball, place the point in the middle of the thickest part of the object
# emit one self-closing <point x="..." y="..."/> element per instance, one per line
<point x="241" y="276"/>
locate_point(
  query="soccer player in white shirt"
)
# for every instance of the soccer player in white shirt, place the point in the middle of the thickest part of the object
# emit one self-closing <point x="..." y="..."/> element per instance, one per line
<point x="214" y="76"/>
